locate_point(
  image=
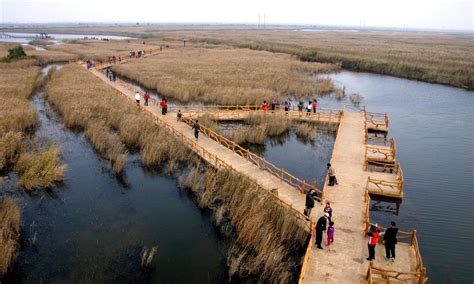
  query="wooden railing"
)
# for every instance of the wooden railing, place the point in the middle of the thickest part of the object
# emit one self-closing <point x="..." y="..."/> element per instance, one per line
<point x="409" y="238"/>
<point x="263" y="164"/>
<point x="376" y="121"/>
<point x="243" y="112"/>
<point x="220" y="164"/>
<point x="307" y="254"/>
<point x="385" y="148"/>
<point x="384" y="187"/>
<point x="375" y="275"/>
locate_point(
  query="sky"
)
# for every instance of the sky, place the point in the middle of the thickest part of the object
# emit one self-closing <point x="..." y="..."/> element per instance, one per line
<point x="421" y="14"/>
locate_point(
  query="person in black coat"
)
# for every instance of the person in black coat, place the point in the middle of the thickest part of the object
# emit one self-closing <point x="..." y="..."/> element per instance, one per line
<point x="320" y="228"/>
<point x="390" y="240"/>
<point x="309" y="204"/>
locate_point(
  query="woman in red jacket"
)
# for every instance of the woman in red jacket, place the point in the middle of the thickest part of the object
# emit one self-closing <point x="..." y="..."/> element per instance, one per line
<point x="264" y="106"/>
<point x="373" y="234"/>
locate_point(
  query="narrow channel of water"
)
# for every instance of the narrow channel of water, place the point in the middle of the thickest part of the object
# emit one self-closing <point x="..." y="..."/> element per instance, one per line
<point x="434" y="129"/>
<point x="92" y="227"/>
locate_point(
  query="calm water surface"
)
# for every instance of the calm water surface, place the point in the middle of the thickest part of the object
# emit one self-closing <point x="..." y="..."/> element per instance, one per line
<point x="92" y="228"/>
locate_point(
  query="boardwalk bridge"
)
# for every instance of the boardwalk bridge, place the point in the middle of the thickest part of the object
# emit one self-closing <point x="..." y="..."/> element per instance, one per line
<point x="366" y="167"/>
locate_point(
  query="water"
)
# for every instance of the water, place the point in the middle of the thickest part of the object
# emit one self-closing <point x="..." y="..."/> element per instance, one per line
<point x="92" y="227"/>
<point x="433" y="127"/>
<point x="27" y="37"/>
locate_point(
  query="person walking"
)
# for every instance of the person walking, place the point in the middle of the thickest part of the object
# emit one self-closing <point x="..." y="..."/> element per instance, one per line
<point x="287" y="106"/>
<point x="330" y="233"/>
<point x="315" y="105"/>
<point x="373" y="234"/>
<point x="320" y="228"/>
<point x="273" y="105"/>
<point x="179" y="115"/>
<point x="332" y="175"/>
<point x="163" y="106"/>
<point x="308" y="108"/>
<point x="197" y="128"/>
<point x="137" y="98"/>
<point x="309" y="204"/>
<point x="390" y="240"/>
<point x="264" y="106"/>
<point x="146" y="97"/>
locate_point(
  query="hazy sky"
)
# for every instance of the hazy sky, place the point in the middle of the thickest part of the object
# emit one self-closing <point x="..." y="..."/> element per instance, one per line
<point x="434" y="14"/>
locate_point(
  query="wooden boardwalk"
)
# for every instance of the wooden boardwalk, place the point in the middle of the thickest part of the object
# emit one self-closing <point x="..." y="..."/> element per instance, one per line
<point x="344" y="261"/>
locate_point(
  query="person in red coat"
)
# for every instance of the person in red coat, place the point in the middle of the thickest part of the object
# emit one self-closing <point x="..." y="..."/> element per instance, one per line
<point x="264" y="106"/>
<point x="146" y="97"/>
<point x="163" y="106"/>
<point x="373" y="233"/>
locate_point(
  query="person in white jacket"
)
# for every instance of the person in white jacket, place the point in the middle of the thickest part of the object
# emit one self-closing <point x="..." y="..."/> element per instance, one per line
<point x="137" y="98"/>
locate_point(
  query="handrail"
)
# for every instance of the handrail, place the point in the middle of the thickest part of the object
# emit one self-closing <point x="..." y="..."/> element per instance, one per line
<point x="372" y="270"/>
<point x="380" y="184"/>
<point x="378" y="121"/>
<point x="262" y="163"/>
<point x="307" y="255"/>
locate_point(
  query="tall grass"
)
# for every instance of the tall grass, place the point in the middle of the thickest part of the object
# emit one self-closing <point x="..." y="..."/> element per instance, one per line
<point x="227" y="76"/>
<point x="110" y="122"/>
<point x="269" y="238"/>
<point x="9" y="232"/>
<point x="305" y="131"/>
<point x="40" y="168"/>
<point x="431" y="57"/>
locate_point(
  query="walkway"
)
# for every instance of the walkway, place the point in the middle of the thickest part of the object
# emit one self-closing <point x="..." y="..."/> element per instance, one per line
<point x="344" y="261"/>
<point x="286" y="193"/>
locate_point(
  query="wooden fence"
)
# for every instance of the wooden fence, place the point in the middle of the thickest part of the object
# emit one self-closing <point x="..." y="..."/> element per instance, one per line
<point x="220" y="164"/>
<point x="380" y="149"/>
<point x="376" y="121"/>
<point x="262" y="163"/>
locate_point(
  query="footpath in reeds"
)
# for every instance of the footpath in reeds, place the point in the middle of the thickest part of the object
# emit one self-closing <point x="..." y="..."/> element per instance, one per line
<point x="256" y="211"/>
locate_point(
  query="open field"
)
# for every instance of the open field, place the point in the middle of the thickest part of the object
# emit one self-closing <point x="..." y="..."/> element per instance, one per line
<point x="430" y="57"/>
<point x="427" y="56"/>
<point x="227" y="75"/>
<point x="9" y="232"/>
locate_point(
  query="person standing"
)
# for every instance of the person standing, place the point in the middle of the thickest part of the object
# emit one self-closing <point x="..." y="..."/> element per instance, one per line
<point x="287" y="106"/>
<point x="331" y="174"/>
<point x="308" y="108"/>
<point x="163" y="106"/>
<point x="197" y="128"/>
<point x="373" y="234"/>
<point x="273" y="105"/>
<point x="315" y="105"/>
<point x="309" y="204"/>
<point x="264" y="106"/>
<point x="320" y="228"/>
<point x="328" y="209"/>
<point x="300" y="106"/>
<point x="330" y="233"/>
<point x="137" y="98"/>
<point x="146" y="97"/>
<point x="390" y="240"/>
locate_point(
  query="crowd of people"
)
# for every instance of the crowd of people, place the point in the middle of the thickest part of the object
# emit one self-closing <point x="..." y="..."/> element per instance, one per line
<point x="311" y="106"/>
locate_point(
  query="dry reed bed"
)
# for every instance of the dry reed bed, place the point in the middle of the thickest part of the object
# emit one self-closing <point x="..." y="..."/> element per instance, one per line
<point x="9" y="232"/>
<point x="270" y="239"/>
<point x="227" y="76"/>
<point x="110" y="122"/>
<point x="38" y="166"/>
<point x="94" y="49"/>
<point x="431" y="57"/>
